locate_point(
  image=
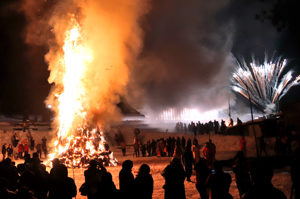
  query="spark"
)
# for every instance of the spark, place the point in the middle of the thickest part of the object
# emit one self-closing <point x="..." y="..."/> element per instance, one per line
<point x="266" y="84"/>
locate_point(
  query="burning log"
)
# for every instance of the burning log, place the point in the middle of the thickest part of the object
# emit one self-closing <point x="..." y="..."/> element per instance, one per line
<point x="77" y="151"/>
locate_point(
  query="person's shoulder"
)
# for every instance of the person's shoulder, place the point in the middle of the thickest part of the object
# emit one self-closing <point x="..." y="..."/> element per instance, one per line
<point x="70" y="180"/>
<point x="278" y="194"/>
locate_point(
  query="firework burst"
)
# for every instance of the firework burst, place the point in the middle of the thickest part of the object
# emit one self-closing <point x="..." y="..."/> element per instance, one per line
<point x="266" y="84"/>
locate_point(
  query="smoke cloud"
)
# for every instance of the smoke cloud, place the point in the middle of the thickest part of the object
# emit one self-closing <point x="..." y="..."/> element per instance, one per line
<point x="111" y="39"/>
<point x="186" y="59"/>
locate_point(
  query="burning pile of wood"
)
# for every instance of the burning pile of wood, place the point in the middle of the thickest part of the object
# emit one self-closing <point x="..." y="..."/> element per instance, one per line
<point x="76" y="151"/>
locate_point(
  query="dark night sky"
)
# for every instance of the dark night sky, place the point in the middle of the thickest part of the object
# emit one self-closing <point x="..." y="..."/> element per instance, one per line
<point x="23" y="71"/>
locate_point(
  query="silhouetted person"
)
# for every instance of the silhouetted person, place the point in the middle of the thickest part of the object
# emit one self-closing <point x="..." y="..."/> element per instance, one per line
<point x="261" y="175"/>
<point x="39" y="149"/>
<point x="45" y="150"/>
<point x="44" y="142"/>
<point x="262" y="146"/>
<point x="55" y="166"/>
<point x="34" y="166"/>
<point x="188" y="160"/>
<point x="241" y="171"/>
<point x="195" y="141"/>
<point x="107" y="188"/>
<point x="231" y="122"/>
<point x="143" y="149"/>
<point x="126" y="179"/>
<point x="279" y="146"/>
<point x="10" y="173"/>
<point x="32" y="141"/>
<point x="123" y="147"/>
<point x="10" y="151"/>
<point x="223" y="127"/>
<point x="136" y="147"/>
<point x="4" y="192"/>
<point x="183" y="142"/>
<point x="149" y="148"/>
<point x="92" y="178"/>
<point x="15" y="140"/>
<point x="27" y="179"/>
<point x="174" y="175"/>
<point x="219" y="183"/>
<point x="189" y="141"/>
<point x="62" y="187"/>
<point x="143" y="183"/>
<point x="4" y="151"/>
<point x="153" y="144"/>
<point x="295" y="173"/>
<point x="202" y="173"/>
<point x="216" y="126"/>
<point x="25" y="193"/>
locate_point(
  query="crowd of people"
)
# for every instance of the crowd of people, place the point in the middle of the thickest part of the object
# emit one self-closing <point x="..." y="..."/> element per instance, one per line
<point x="205" y="128"/>
<point x="24" y="147"/>
<point x="30" y="179"/>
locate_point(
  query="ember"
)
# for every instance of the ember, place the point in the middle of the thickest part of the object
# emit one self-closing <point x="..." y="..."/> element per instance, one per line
<point x="79" y="149"/>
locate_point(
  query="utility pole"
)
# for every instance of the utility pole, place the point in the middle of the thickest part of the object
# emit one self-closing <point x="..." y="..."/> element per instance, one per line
<point x="229" y="114"/>
<point x="256" y="146"/>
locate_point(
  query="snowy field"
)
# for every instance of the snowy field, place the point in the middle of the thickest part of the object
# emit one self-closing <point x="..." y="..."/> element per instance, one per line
<point x="227" y="146"/>
<point x="226" y="149"/>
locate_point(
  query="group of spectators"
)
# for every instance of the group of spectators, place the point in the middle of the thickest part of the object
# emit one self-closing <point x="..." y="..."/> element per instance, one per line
<point x="252" y="182"/>
<point x="24" y="147"/>
<point x="205" y="128"/>
<point x="30" y="180"/>
<point x="170" y="147"/>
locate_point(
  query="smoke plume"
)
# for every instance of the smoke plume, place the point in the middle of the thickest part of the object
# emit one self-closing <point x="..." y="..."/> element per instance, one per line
<point x="110" y="38"/>
<point x="186" y="60"/>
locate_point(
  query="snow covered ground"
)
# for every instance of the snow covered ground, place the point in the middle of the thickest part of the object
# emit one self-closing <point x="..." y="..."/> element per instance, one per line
<point x="226" y="149"/>
<point x="227" y="146"/>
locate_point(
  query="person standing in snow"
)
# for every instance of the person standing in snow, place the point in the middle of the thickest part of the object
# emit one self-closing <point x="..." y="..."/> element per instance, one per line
<point x="174" y="175"/>
<point x="188" y="160"/>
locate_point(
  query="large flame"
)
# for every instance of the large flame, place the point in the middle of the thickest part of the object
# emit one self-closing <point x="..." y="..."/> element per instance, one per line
<point x="76" y="150"/>
<point x="94" y="44"/>
<point x="72" y="99"/>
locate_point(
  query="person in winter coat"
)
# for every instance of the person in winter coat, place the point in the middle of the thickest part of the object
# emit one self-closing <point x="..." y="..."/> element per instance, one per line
<point x="219" y="183"/>
<point x="26" y="148"/>
<point x="174" y="175"/>
<point x="136" y="146"/>
<point x="187" y="160"/>
<point x="126" y="179"/>
<point x="241" y="171"/>
<point x="10" y="151"/>
<point x="209" y="152"/>
<point x="261" y="175"/>
<point x="177" y="151"/>
<point x="4" y="151"/>
<point x="143" y="183"/>
<point x="62" y="187"/>
<point x="202" y="173"/>
<point x="39" y="149"/>
<point x="123" y="147"/>
<point x="196" y="152"/>
<point x="107" y="188"/>
<point x="92" y="178"/>
<point x="20" y="150"/>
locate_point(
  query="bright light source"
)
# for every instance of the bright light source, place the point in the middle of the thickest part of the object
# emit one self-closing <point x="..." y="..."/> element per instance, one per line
<point x="49" y="106"/>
